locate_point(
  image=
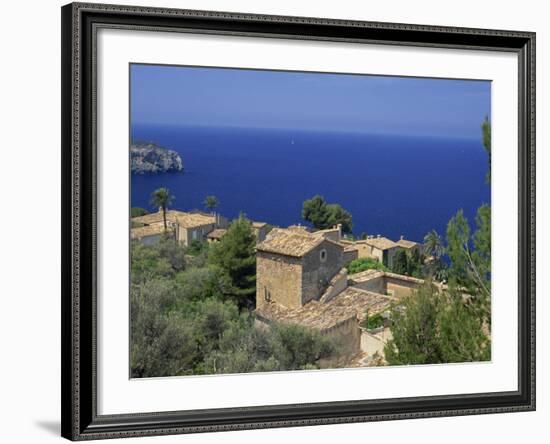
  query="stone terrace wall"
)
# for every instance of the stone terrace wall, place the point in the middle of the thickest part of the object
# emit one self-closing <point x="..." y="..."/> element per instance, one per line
<point x="401" y="286"/>
<point x="376" y="284"/>
<point x="347" y="335"/>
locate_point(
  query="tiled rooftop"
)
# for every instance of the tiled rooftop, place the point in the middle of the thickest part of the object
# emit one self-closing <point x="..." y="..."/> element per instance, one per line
<point x="289" y="242"/>
<point x="183" y="219"/>
<point x="350" y="303"/>
<point x="217" y="233"/>
<point x="148" y="230"/>
<point x="406" y="243"/>
<point x="381" y="243"/>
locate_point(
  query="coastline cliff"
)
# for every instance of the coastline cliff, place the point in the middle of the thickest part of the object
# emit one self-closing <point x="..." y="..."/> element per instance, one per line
<point x="149" y="158"/>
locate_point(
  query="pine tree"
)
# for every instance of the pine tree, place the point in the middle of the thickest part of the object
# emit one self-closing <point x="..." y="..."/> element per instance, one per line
<point x="235" y="256"/>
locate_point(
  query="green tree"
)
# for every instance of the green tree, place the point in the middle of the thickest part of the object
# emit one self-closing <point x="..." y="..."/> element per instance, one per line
<point x="486" y="135"/>
<point x="161" y="198"/>
<point x="211" y="202"/>
<point x="400" y="262"/>
<point x="432" y="327"/>
<point x="365" y="263"/>
<point x="235" y="255"/>
<point x="433" y="245"/>
<point x="470" y="258"/>
<point x="162" y="342"/>
<point x="323" y="215"/>
<point x="138" y="211"/>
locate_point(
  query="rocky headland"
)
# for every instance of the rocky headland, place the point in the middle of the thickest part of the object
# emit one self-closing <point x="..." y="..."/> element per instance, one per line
<point x="150" y="158"/>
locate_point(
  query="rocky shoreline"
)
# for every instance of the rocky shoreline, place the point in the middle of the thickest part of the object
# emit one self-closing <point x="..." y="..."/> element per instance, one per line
<point x="150" y="158"/>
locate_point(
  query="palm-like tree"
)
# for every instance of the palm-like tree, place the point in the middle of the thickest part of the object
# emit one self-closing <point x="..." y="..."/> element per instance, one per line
<point x="161" y="198"/>
<point x="211" y="202"/>
<point x="433" y="244"/>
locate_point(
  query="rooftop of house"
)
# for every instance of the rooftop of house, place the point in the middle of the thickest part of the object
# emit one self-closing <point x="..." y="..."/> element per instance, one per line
<point x="299" y="228"/>
<point x="258" y="224"/>
<point x="291" y="242"/>
<point x="352" y="303"/>
<point x="367" y="275"/>
<point x="405" y="243"/>
<point x="380" y="242"/>
<point x="364" y="276"/>
<point x="216" y="234"/>
<point x="148" y="230"/>
<point x="183" y="219"/>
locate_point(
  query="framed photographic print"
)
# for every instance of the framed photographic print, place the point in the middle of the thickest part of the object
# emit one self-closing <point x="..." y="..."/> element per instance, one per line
<point x="280" y="221"/>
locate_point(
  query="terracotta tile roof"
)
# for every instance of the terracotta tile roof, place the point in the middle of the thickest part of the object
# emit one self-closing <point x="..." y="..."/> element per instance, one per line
<point x="406" y="243"/>
<point x="351" y="303"/>
<point x="381" y="243"/>
<point x="217" y="233"/>
<point x="299" y="228"/>
<point x="149" y="230"/>
<point x="183" y="219"/>
<point x="291" y="242"/>
<point x="366" y="275"/>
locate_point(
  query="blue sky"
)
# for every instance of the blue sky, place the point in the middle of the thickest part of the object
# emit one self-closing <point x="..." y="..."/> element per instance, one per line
<point x="192" y="96"/>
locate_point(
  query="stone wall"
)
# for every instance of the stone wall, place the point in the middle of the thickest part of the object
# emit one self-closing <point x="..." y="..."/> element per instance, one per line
<point x="150" y="240"/>
<point x="278" y="278"/>
<point x="363" y="250"/>
<point x="376" y="284"/>
<point x="319" y="268"/>
<point x="351" y="255"/>
<point x="347" y="336"/>
<point x="372" y="343"/>
<point x="187" y="235"/>
<point x="401" y="287"/>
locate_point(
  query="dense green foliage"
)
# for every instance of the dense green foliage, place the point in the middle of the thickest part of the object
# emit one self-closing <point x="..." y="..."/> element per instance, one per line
<point x="434" y="327"/>
<point x="138" y="211"/>
<point x="235" y="256"/>
<point x="372" y="322"/>
<point x="365" y="263"/>
<point x="470" y="258"/>
<point x="486" y="135"/>
<point x="439" y="325"/>
<point x="323" y="215"/>
<point x="410" y="264"/>
<point x="186" y="319"/>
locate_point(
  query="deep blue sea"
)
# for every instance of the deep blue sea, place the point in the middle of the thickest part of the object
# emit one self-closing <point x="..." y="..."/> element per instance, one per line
<point x="392" y="185"/>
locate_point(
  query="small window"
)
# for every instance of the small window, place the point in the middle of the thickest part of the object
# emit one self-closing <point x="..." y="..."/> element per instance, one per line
<point x="323" y="255"/>
<point x="267" y="295"/>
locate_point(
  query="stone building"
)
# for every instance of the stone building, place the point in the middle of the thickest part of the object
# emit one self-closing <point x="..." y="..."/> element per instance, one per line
<point x="409" y="246"/>
<point x="186" y="226"/>
<point x="151" y="234"/>
<point x="382" y="249"/>
<point x="294" y="267"/>
<point x="301" y="279"/>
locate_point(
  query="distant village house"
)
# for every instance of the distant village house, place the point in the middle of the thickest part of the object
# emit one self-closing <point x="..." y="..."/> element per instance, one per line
<point x="184" y="226"/>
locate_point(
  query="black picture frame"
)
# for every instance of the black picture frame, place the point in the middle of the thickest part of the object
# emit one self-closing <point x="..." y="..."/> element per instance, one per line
<point x="80" y="420"/>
